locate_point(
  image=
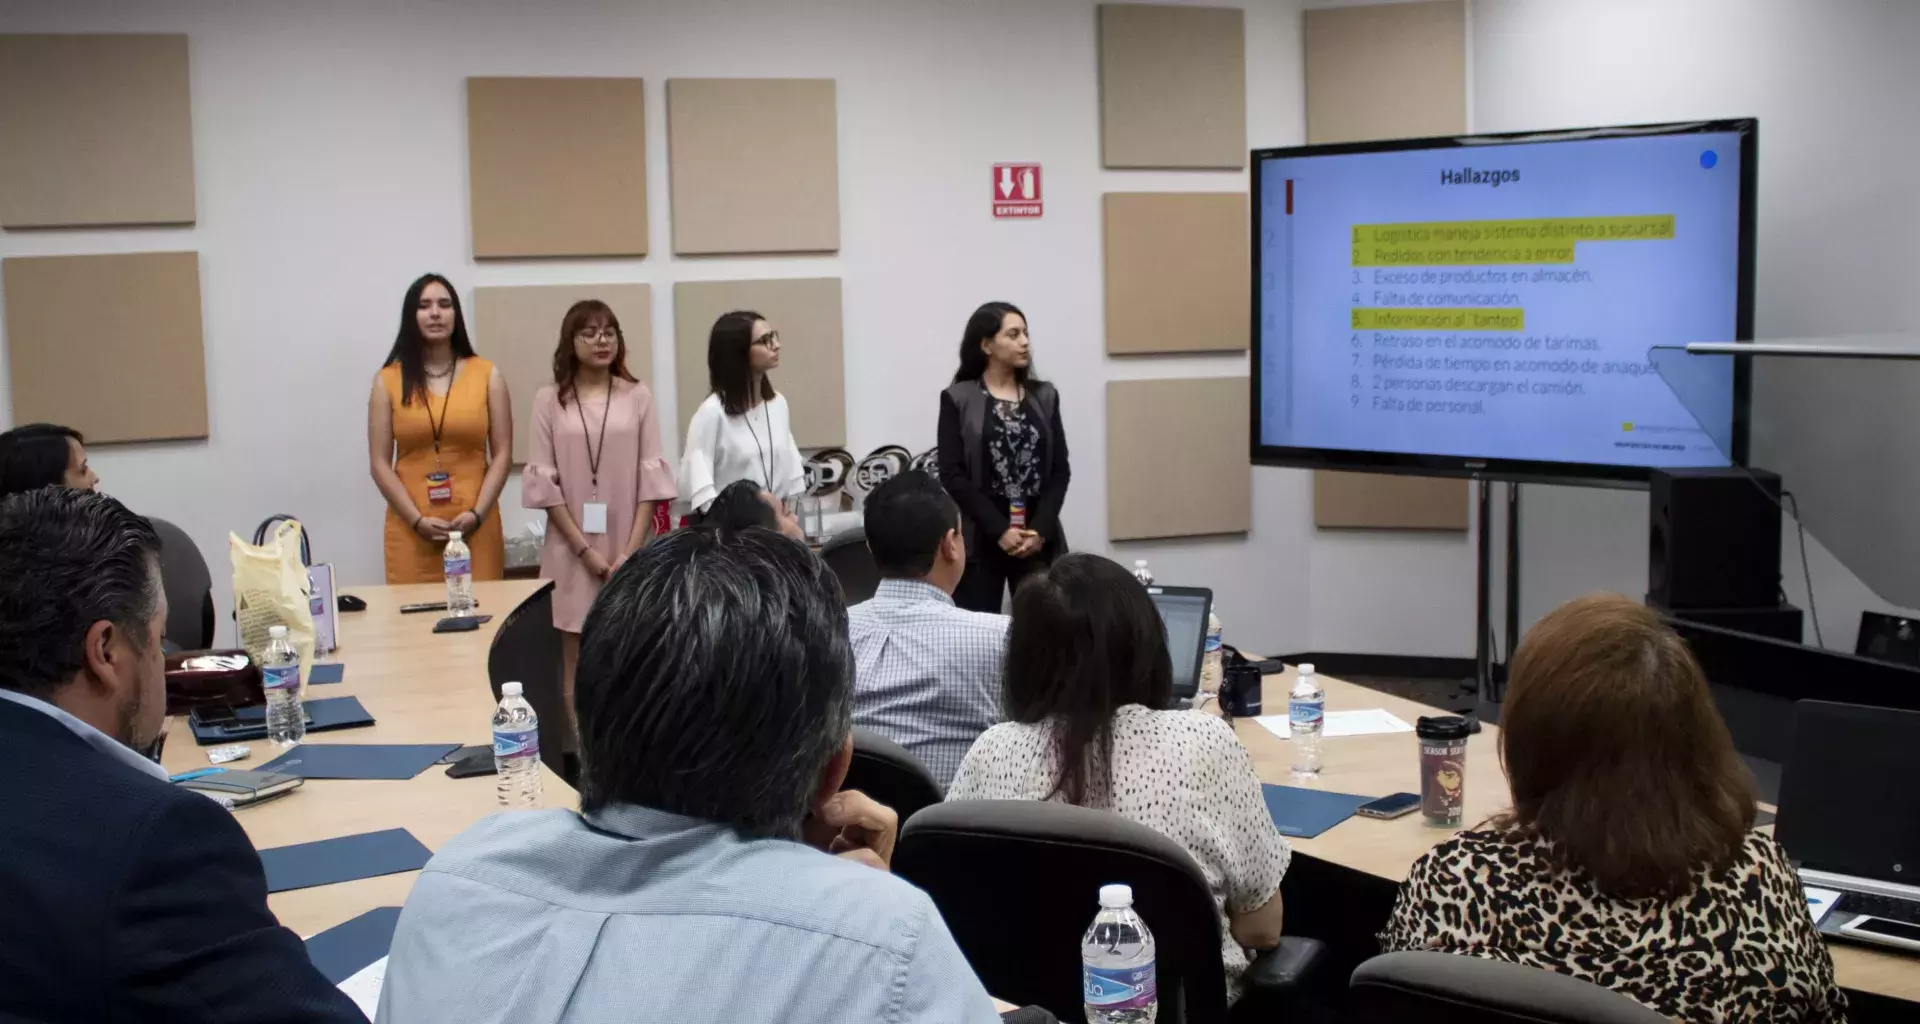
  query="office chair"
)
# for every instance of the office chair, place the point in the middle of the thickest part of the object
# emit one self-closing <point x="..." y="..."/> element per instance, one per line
<point x="189" y="586"/>
<point x="852" y="564"/>
<point x="1018" y="882"/>
<point x="887" y="772"/>
<point x="1443" y="988"/>
<point x="526" y="650"/>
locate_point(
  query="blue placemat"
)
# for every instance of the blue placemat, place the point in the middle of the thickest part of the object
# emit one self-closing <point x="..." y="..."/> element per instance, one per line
<point x="343" y="950"/>
<point x="326" y="672"/>
<point x="358" y="760"/>
<point x="1305" y="813"/>
<point x="367" y="855"/>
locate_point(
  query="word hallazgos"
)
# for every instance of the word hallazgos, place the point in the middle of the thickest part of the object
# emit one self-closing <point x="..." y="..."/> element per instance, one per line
<point x="1472" y="176"/>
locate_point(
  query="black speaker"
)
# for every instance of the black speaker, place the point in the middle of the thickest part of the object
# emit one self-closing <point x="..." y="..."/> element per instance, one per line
<point x="1782" y="621"/>
<point x="1713" y="539"/>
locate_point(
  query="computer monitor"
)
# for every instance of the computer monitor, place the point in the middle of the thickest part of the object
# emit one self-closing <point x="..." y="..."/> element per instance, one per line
<point x="1847" y="801"/>
<point x="1184" y="611"/>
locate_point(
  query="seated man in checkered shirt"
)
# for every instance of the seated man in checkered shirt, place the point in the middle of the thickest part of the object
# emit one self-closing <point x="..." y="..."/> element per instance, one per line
<point x="926" y="673"/>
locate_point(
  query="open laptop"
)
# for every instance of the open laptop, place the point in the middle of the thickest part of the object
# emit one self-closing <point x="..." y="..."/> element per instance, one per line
<point x="1184" y="610"/>
<point x="1850" y="818"/>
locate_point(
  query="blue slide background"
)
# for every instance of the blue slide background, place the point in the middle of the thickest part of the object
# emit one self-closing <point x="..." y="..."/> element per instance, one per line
<point x="1642" y="293"/>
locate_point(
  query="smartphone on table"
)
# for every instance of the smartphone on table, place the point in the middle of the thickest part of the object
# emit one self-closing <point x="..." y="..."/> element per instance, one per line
<point x="1389" y="806"/>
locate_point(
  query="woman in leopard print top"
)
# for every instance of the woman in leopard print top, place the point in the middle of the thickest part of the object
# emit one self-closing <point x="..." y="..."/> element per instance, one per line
<point x="1626" y="860"/>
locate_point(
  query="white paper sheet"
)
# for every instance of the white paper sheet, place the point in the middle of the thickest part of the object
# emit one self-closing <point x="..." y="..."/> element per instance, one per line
<point x="364" y="987"/>
<point x="1276" y="724"/>
<point x="1819" y="901"/>
<point x="1367" y="722"/>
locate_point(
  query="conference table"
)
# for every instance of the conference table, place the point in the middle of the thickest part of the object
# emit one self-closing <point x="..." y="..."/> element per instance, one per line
<point x="420" y="687"/>
<point x="1369" y="857"/>
<point x="423" y="687"/>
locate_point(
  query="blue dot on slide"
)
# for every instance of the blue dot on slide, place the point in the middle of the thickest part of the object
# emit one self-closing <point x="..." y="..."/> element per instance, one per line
<point x="1708" y="159"/>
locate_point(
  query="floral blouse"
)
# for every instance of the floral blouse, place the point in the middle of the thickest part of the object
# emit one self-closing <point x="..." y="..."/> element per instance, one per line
<point x="1013" y="450"/>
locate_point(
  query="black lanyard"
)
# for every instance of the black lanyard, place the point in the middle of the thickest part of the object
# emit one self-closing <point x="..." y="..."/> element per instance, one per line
<point x="593" y="458"/>
<point x="446" y="402"/>
<point x="766" y="459"/>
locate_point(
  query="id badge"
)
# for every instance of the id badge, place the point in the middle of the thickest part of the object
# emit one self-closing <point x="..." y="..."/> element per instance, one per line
<point x="1017" y="514"/>
<point x="593" y="517"/>
<point x="440" y="488"/>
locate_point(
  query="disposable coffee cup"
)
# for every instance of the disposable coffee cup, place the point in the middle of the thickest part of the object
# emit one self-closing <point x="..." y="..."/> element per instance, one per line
<point x="1443" y="768"/>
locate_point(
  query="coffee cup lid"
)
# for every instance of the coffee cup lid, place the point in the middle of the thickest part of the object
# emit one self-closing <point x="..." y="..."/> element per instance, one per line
<point x="1442" y="727"/>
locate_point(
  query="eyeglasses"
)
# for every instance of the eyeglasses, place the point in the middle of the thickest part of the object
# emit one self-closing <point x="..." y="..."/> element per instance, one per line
<point x="771" y="339"/>
<point x="603" y="334"/>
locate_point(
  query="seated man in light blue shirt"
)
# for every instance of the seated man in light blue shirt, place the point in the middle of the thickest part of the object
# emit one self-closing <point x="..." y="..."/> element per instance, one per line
<point x="926" y="673"/>
<point x="714" y="698"/>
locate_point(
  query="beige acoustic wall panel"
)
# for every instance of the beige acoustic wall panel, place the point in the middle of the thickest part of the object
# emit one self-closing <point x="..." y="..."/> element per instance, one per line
<point x="812" y="373"/>
<point x="1381" y="72"/>
<point x="1386" y="71"/>
<point x="557" y="166"/>
<point x="1173" y="86"/>
<point x="1177" y="274"/>
<point x="1194" y="434"/>
<point x="754" y="165"/>
<point x="518" y="329"/>
<point x="108" y="345"/>
<point x="95" y="130"/>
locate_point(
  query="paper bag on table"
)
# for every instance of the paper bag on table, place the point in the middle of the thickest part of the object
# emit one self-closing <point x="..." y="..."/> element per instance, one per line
<point x="271" y="588"/>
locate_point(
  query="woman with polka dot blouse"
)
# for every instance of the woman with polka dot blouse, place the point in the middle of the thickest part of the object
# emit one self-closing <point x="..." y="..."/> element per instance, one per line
<point x="1087" y="686"/>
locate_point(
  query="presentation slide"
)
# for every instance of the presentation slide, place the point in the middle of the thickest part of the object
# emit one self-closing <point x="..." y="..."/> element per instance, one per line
<point x="1499" y="301"/>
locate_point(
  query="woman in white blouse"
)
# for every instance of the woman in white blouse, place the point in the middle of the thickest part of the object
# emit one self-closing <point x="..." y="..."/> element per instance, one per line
<point x="1087" y="686"/>
<point x="742" y="431"/>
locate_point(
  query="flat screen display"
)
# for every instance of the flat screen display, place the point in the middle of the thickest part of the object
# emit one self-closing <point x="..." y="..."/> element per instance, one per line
<point x="1486" y="305"/>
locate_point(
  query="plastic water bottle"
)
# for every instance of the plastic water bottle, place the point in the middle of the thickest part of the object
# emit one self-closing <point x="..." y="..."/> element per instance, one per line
<point x="1140" y="572"/>
<point x="1213" y="665"/>
<point x="1306" y="716"/>
<point x="459" y="565"/>
<point x="1116" y="963"/>
<point x="516" y="749"/>
<point x="280" y="678"/>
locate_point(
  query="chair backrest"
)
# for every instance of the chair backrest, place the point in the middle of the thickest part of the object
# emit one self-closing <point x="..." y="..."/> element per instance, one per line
<point x="189" y="586"/>
<point x="526" y="650"/>
<point x="852" y="564"/>
<point x="1018" y="882"/>
<point x="1444" y="988"/>
<point x="887" y="772"/>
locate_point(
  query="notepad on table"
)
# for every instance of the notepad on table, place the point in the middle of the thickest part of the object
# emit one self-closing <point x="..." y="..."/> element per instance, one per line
<point x="1305" y="813"/>
<point x="345" y="859"/>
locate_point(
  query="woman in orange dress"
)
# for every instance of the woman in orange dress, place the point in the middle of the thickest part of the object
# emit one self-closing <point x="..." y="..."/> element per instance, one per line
<point x="439" y="440"/>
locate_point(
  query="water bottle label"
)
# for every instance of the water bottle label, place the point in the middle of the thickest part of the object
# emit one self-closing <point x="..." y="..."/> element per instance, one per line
<point x="280" y="677"/>
<point x="1213" y="643"/>
<point x="1305" y="712"/>
<point x="1119" y="988"/>
<point x="459" y="566"/>
<point x="516" y="743"/>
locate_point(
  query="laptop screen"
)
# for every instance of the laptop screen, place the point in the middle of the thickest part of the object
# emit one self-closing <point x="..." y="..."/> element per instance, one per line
<point x="1848" y="803"/>
<point x="1184" y="611"/>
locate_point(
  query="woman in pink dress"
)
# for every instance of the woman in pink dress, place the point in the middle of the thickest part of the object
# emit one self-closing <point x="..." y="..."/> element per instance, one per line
<point x="595" y="468"/>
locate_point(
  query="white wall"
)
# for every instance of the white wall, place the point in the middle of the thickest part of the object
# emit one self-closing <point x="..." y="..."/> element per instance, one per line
<point x="1833" y="83"/>
<point x="329" y="141"/>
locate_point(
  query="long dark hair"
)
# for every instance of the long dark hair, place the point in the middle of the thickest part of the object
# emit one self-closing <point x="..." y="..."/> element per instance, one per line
<point x="1085" y="640"/>
<point x="1617" y="754"/>
<point x="566" y="363"/>
<point x="730" y="362"/>
<point x="982" y="325"/>
<point x="407" y="342"/>
<point x="34" y="456"/>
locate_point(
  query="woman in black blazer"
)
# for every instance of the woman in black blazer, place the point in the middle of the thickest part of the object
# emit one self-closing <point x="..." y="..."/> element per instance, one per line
<point x="1003" y="457"/>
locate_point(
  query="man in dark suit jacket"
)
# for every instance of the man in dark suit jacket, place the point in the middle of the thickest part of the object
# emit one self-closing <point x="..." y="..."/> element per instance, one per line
<point x="125" y="898"/>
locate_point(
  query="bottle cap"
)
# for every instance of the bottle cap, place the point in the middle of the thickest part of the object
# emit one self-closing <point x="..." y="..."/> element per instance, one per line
<point x="277" y="632"/>
<point x="453" y="535"/>
<point x="510" y="689"/>
<point x="1306" y="668"/>
<point x="1116" y="896"/>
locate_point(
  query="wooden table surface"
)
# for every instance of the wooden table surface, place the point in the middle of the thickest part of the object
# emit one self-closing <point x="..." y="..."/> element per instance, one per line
<point x="1382" y="764"/>
<point x="421" y="687"/>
